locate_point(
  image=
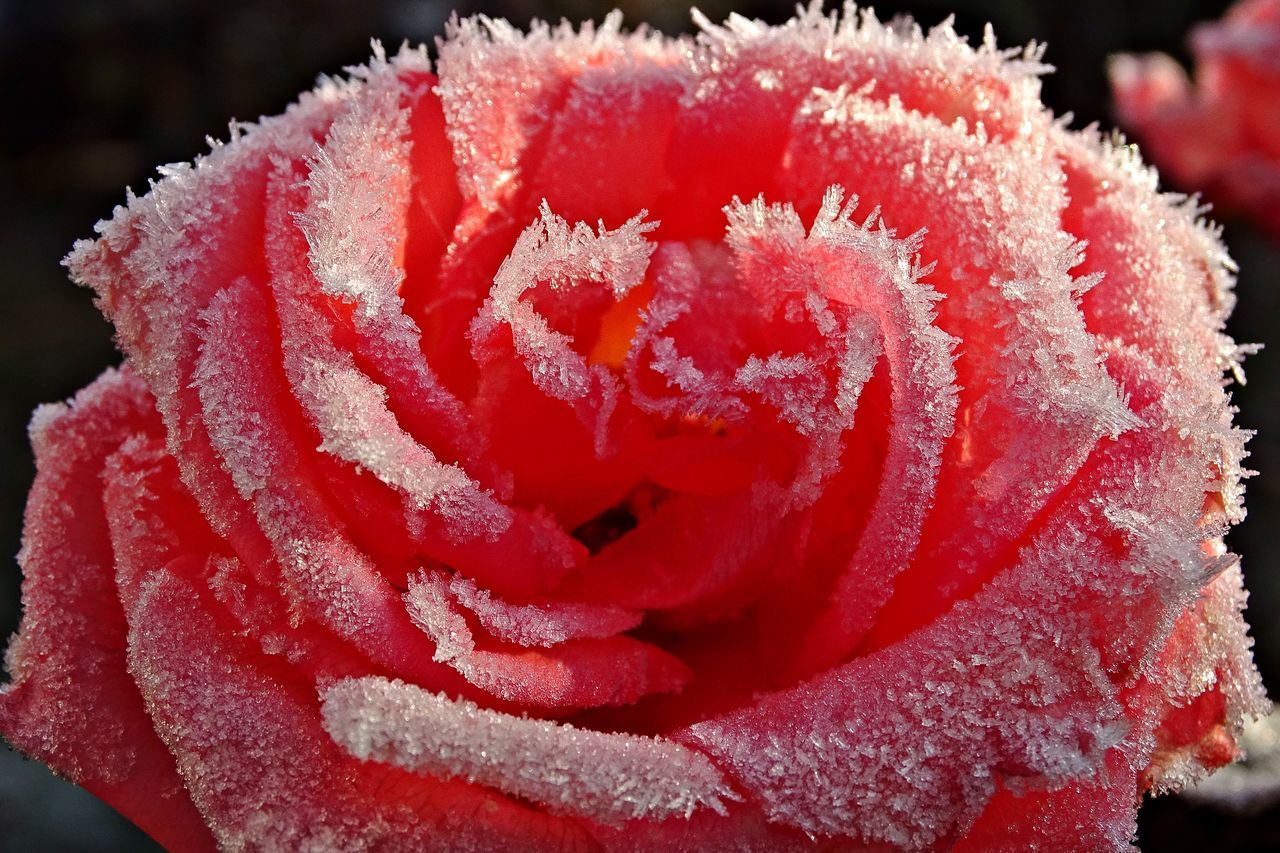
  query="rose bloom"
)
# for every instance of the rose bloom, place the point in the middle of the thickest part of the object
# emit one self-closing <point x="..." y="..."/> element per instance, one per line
<point x="788" y="438"/>
<point x="1222" y="134"/>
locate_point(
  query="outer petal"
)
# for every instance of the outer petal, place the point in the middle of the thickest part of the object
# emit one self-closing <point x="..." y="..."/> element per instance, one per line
<point x="72" y="704"/>
<point x="266" y="776"/>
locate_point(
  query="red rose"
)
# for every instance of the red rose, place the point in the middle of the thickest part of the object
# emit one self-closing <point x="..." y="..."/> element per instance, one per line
<point x="1222" y="135"/>
<point x="425" y="516"/>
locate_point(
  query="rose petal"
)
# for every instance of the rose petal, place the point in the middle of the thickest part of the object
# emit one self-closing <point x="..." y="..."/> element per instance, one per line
<point x="542" y="624"/>
<point x="569" y="408"/>
<point x="356" y="209"/>
<point x="929" y="698"/>
<point x="264" y="773"/>
<point x="608" y="777"/>
<point x="446" y="514"/>
<point x="582" y="672"/>
<point x="321" y="569"/>
<point x="163" y="257"/>
<point x="905" y="746"/>
<point x="866" y="271"/>
<point x="71" y="703"/>
<point x="153" y="522"/>
<point x="1096" y="814"/>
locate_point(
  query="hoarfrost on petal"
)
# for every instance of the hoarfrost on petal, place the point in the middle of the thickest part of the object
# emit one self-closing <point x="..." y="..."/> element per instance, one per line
<point x="607" y="777"/>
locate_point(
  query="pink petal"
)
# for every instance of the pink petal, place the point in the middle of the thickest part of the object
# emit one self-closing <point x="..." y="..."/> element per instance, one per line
<point x="71" y="703"/>
<point x="608" y="777"/>
<point x="263" y="772"/>
<point x="577" y="673"/>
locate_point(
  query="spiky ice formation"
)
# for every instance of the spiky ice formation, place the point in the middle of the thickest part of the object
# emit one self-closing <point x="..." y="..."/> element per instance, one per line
<point x="790" y="438"/>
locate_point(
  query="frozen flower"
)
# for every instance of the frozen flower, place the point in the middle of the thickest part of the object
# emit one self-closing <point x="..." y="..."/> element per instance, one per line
<point x="1220" y="135"/>
<point x="788" y="438"/>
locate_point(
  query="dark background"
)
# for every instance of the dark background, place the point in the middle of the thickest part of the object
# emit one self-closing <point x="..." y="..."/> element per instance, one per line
<point x="96" y="94"/>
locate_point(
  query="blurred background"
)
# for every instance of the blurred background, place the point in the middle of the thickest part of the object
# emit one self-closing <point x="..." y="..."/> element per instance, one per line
<point x="97" y="93"/>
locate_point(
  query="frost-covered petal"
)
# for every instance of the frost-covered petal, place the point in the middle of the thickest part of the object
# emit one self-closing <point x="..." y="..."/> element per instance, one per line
<point x="71" y="702"/>
<point x="609" y="777"/>
<point x="262" y="771"/>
